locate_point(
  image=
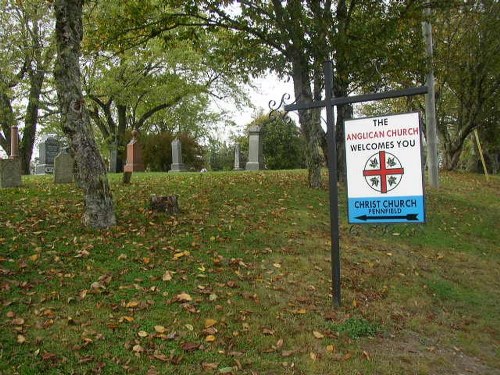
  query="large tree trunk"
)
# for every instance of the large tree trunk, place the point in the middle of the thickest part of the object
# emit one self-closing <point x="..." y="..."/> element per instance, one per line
<point x="91" y="172"/>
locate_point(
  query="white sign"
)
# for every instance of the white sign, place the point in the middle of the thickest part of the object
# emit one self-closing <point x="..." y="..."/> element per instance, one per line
<point x="384" y="169"/>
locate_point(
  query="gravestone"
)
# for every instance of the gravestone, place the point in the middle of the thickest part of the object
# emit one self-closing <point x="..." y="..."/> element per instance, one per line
<point x="14" y="142"/>
<point x="255" y="150"/>
<point x="177" y="164"/>
<point x="63" y="167"/>
<point x="237" y="157"/>
<point x="113" y="156"/>
<point x="10" y="173"/>
<point x="134" y="155"/>
<point x="48" y="149"/>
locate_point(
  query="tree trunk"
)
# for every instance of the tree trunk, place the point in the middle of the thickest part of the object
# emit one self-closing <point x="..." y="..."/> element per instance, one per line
<point x="31" y="120"/>
<point x="91" y="172"/>
<point x="310" y="123"/>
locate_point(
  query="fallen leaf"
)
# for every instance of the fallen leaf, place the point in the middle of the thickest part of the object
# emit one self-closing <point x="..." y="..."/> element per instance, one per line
<point x="34" y="257"/>
<point x="267" y="331"/>
<point x="178" y="256"/>
<point x="17" y="321"/>
<point x="10" y="314"/>
<point x="313" y="356"/>
<point x="132" y="304"/>
<point x="21" y="339"/>
<point x="318" y="335"/>
<point x="279" y="344"/>
<point x="209" y="366"/>
<point x="160" y="329"/>
<point x="167" y="276"/>
<point x="210" y="322"/>
<point x="330" y="348"/>
<point x="183" y="297"/>
<point x="142" y="334"/>
<point x="138" y="349"/>
<point x="189" y="327"/>
<point x="287" y="353"/>
<point x="366" y="355"/>
<point x="190" y="346"/>
<point x="161" y="357"/>
<point x="210" y="338"/>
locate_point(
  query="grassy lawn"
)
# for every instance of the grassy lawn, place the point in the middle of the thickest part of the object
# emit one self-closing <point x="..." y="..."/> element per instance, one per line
<point x="239" y="282"/>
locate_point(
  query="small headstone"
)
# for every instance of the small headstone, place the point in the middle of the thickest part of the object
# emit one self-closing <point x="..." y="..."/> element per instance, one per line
<point x="255" y="150"/>
<point x="113" y="156"/>
<point x="48" y="149"/>
<point x="134" y="155"/>
<point x="63" y="167"/>
<point x="237" y="157"/>
<point x="177" y="164"/>
<point x="10" y="173"/>
<point x="168" y="204"/>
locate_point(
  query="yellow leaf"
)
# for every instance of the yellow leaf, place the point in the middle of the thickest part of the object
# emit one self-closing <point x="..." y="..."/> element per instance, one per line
<point x="300" y="311"/>
<point x="137" y="348"/>
<point x="318" y="335"/>
<point x="34" y="257"/>
<point x="132" y="304"/>
<point x="160" y="329"/>
<point x="146" y="260"/>
<point x="189" y="327"/>
<point x="210" y="323"/>
<point x="21" y="339"/>
<point x="210" y="338"/>
<point x="313" y="356"/>
<point x="127" y="319"/>
<point x="167" y="276"/>
<point x="142" y="334"/>
<point x="330" y="348"/>
<point x="177" y="256"/>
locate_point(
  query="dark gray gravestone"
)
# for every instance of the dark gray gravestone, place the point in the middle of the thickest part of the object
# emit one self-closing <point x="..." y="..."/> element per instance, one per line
<point x="63" y="168"/>
<point x="113" y="156"/>
<point x="48" y="149"/>
<point x="10" y="173"/>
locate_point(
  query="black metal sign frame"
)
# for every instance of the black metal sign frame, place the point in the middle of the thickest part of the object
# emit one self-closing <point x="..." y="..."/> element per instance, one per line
<point x="328" y="103"/>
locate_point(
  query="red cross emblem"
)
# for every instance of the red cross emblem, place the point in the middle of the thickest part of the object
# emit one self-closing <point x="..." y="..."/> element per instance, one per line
<point x="383" y="171"/>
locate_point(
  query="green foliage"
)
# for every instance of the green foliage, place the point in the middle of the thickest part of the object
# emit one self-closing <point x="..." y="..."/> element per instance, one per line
<point x="220" y="156"/>
<point x="283" y="144"/>
<point x="157" y="151"/>
<point x="356" y="328"/>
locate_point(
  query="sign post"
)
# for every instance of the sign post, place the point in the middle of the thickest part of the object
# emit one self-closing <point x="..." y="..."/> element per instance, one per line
<point x="328" y="103"/>
<point x="384" y="169"/>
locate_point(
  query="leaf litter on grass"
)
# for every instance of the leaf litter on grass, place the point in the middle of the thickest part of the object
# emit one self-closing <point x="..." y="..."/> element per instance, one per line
<point x="237" y="283"/>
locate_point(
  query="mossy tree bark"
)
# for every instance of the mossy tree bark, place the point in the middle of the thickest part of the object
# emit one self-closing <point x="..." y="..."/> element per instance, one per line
<point x="91" y="172"/>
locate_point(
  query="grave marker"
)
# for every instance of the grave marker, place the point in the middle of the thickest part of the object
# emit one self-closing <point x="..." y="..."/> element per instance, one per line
<point x="255" y="150"/>
<point x="177" y="164"/>
<point x="63" y="167"/>
<point x="134" y="155"/>
<point x="48" y="149"/>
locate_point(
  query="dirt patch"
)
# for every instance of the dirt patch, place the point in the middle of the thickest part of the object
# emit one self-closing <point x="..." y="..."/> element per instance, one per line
<point x="422" y="355"/>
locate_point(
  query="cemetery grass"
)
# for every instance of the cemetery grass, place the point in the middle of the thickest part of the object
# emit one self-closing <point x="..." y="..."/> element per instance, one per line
<point x="239" y="282"/>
